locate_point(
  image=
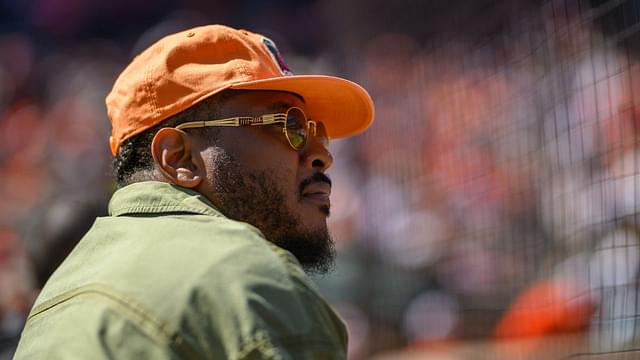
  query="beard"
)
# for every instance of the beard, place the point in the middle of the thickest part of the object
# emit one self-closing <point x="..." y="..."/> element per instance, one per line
<point x="256" y="198"/>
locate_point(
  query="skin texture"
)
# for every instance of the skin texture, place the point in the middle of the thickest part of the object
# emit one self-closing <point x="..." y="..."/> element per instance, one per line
<point x="252" y="174"/>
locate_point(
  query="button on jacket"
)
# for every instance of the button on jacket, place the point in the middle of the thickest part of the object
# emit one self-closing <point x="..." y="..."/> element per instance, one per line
<point x="167" y="276"/>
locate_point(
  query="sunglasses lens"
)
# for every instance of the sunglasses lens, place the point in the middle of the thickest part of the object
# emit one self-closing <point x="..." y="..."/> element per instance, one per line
<point x="296" y="129"/>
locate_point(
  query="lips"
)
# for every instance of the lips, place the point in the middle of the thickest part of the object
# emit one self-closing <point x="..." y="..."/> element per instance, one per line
<point x="317" y="188"/>
<point x="317" y="192"/>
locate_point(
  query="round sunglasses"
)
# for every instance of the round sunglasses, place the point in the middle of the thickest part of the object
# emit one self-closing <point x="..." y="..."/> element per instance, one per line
<point x="295" y="125"/>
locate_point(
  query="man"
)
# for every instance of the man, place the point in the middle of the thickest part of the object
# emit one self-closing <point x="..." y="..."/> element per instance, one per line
<point x="220" y="155"/>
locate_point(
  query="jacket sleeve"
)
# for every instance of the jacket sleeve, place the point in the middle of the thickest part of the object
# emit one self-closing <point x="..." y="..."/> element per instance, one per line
<point x="252" y="302"/>
<point x="90" y="329"/>
<point x="259" y="304"/>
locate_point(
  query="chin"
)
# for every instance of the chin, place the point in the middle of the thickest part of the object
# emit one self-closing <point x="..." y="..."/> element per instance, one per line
<point x="314" y="218"/>
<point x="310" y="209"/>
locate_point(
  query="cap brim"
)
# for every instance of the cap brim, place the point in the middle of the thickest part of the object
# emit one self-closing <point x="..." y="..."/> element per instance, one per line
<point x="344" y="107"/>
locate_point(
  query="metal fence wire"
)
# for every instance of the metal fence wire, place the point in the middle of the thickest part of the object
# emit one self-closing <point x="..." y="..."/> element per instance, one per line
<point x="499" y="189"/>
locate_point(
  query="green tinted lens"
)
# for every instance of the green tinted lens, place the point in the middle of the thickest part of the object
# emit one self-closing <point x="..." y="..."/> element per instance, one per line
<point x="296" y="129"/>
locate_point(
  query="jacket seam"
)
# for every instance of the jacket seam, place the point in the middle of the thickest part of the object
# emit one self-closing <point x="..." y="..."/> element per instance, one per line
<point x="161" y="208"/>
<point x="162" y="331"/>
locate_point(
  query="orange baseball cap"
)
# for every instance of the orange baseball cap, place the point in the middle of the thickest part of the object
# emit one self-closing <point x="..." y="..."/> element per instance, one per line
<point x="182" y="69"/>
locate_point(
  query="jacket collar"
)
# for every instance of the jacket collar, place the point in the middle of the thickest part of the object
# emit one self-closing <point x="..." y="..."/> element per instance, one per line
<point x="154" y="197"/>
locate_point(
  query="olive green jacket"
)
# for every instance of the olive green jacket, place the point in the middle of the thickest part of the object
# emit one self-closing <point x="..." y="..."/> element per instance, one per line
<point x="167" y="276"/>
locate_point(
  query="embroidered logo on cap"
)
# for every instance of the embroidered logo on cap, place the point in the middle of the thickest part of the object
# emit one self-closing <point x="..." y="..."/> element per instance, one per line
<point x="276" y="56"/>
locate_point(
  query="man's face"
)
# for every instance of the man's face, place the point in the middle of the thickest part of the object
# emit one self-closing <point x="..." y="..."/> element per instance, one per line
<point x="254" y="175"/>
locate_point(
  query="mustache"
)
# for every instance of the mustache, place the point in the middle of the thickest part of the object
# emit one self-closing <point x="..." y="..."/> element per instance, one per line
<point x="316" y="177"/>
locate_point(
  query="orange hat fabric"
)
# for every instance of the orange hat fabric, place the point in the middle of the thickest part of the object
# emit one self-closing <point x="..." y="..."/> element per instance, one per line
<point x="182" y="69"/>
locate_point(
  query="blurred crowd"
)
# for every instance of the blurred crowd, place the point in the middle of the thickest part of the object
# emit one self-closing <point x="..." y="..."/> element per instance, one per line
<point x="495" y="197"/>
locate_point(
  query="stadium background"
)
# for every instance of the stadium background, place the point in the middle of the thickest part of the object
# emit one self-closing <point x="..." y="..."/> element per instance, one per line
<point x="490" y="212"/>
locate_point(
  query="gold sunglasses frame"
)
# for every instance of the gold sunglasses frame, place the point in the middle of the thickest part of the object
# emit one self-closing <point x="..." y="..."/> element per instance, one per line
<point x="266" y="119"/>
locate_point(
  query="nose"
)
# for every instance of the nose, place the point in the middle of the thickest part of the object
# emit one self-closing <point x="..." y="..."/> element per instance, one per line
<point x="316" y="153"/>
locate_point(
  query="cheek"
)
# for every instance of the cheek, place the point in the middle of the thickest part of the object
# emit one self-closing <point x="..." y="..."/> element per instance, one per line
<point x="284" y="173"/>
<point x="282" y="166"/>
<point x="265" y="155"/>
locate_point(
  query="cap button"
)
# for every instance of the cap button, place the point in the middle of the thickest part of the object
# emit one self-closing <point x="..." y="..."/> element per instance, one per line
<point x="191" y="34"/>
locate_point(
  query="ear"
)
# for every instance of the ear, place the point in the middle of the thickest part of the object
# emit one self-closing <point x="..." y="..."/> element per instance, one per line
<point x="173" y="152"/>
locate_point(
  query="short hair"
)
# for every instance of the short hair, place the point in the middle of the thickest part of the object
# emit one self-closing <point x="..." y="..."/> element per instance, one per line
<point x="134" y="162"/>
